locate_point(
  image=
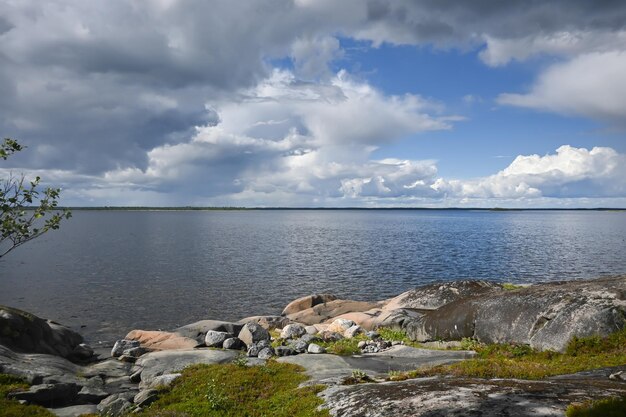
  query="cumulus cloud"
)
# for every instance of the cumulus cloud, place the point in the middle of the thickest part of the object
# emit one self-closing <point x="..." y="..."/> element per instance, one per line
<point x="570" y="173"/>
<point x="591" y="85"/>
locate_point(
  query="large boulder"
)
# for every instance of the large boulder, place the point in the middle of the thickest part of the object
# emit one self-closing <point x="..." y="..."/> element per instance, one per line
<point x="306" y="302"/>
<point x="24" y="332"/>
<point x="433" y="296"/>
<point x="544" y="316"/>
<point x="331" y="310"/>
<point x="214" y="338"/>
<point x="267" y="322"/>
<point x="252" y="333"/>
<point x="199" y="329"/>
<point x="158" y="340"/>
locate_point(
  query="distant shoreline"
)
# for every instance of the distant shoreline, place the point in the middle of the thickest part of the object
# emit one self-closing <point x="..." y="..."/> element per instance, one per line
<point x="192" y="208"/>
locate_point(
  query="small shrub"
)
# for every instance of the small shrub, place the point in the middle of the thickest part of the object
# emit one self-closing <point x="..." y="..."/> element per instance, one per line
<point x="12" y="408"/>
<point x="510" y="287"/>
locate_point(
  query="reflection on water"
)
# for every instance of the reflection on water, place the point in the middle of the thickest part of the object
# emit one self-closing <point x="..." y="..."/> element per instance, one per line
<point x="112" y="271"/>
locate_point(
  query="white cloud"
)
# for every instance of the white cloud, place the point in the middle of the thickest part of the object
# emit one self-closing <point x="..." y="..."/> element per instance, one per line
<point x="570" y="173"/>
<point x="501" y="51"/>
<point x="592" y="85"/>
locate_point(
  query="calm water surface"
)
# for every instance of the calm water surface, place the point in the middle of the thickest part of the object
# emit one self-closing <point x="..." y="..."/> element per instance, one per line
<point x="112" y="271"/>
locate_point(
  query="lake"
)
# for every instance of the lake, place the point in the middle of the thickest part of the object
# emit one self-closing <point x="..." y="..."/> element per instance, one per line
<point x="107" y="272"/>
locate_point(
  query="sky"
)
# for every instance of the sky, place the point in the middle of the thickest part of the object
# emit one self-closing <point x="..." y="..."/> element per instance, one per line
<point x="318" y="103"/>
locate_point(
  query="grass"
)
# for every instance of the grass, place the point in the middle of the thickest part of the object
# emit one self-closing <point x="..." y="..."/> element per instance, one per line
<point x="12" y="408"/>
<point x="510" y="287"/>
<point x="344" y="347"/>
<point x="232" y="390"/>
<point x="609" y="407"/>
<point x="522" y="362"/>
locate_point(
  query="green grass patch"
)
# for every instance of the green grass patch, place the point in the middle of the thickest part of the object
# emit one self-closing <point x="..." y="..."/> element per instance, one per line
<point x="12" y="408"/>
<point x="393" y="335"/>
<point x="510" y="287"/>
<point x="520" y="361"/>
<point x="344" y="347"/>
<point x="230" y="390"/>
<point x="609" y="407"/>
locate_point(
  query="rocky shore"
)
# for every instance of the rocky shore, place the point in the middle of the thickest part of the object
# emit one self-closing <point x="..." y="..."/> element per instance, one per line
<point x="70" y="379"/>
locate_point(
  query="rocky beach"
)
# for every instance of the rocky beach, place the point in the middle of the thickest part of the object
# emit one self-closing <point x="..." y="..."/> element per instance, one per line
<point x="355" y="349"/>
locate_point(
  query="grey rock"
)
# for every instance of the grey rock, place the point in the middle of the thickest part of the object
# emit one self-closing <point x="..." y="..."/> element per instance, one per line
<point x="74" y="410"/>
<point x="310" y="338"/>
<point x="439" y="397"/>
<point x="127" y="358"/>
<point x="361" y="344"/>
<point x="146" y="397"/>
<point x="311" y="330"/>
<point x="90" y="395"/>
<point x="82" y="351"/>
<point x="315" y="349"/>
<point x="267" y="322"/>
<point x="135" y="377"/>
<point x="327" y="368"/>
<point x="114" y="406"/>
<point x="199" y="329"/>
<point x="232" y="343"/>
<point x="154" y="364"/>
<point x="162" y="381"/>
<point x="48" y="394"/>
<point x="265" y="353"/>
<point x="121" y="345"/>
<point x="292" y="331"/>
<point x="328" y="336"/>
<point x="353" y="331"/>
<point x="252" y="333"/>
<point x="299" y="346"/>
<point x="26" y="333"/>
<point x="253" y="351"/>
<point x="135" y="352"/>
<point x="214" y="338"/>
<point x="544" y="316"/>
<point x="284" y="351"/>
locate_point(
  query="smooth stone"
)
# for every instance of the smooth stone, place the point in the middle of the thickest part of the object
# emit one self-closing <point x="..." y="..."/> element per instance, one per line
<point x="330" y="336"/>
<point x="159" y="340"/>
<point x="267" y="322"/>
<point x="353" y="331"/>
<point x="292" y="331"/>
<point x="232" y="343"/>
<point x="154" y="364"/>
<point x="311" y="330"/>
<point x="306" y="302"/>
<point x="252" y="333"/>
<point x="299" y="346"/>
<point x="82" y="351"/>
<point x="114" y="405"/>
<point x="216" y="339"/>
<point x="327" y="368"/>
<point x="329" y="311"/>
<point x="48" y="394"/>
<point x="24" y="332"/>
<point x="199" y="329"/>
<point x="310" y="338"/>
<point x="74" y="410"/>
<point x="284" y="351"/>
<point x="340" y="325"/>
<point x="146" y="397"/>
<point x="315" y="349"/>
<point x="90" y="395"/>
<point x="121" y="345"/>
<point x="135" y="352"/>
<point x="265" y="353"/>
<point x="162" y="381"/>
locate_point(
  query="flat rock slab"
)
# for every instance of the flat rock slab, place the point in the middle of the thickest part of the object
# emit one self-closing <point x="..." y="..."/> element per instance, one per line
<point x="74" y="411"/>
<point x="326" y="368"/>
<point x="38" y="368"/>
<point x="170" y="361"/>
<point x="446" y="397"/>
